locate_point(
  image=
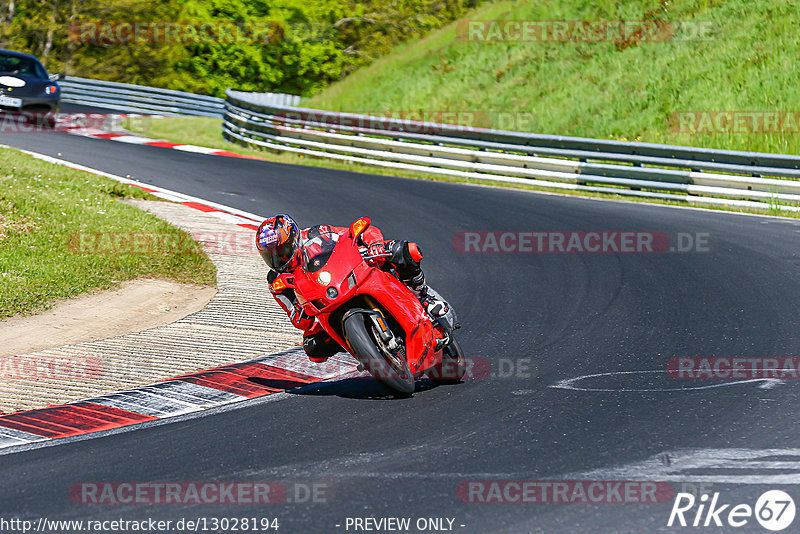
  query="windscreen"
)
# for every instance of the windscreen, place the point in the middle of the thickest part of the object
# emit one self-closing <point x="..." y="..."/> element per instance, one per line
<point x="317" y="250"/>
<point x="21" y="66"/>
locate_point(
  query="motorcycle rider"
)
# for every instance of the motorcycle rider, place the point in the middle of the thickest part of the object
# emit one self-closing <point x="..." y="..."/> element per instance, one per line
<point x="280" y="241"/>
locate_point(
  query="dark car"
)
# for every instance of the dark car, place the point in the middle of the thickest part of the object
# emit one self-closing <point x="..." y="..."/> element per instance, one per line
<point x="25" y="84"/>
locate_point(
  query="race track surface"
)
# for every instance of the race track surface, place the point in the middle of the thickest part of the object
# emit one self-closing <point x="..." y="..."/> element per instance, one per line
<point x="537" y="319"/>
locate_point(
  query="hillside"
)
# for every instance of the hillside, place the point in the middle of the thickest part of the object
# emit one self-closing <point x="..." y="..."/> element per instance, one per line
<point x="705" y="57"/>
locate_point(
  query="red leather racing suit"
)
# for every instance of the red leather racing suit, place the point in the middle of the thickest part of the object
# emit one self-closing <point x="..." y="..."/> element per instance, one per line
<point x="400" y="255"/>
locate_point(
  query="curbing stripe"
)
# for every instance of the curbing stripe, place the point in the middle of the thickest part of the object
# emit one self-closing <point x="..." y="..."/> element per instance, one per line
<point x="71" y="419"/>
<point x="108" y="135"/>
<point x="184" y="394"/>
<point x="196" y="149"/>
<point x="336" y="365"/>
<point x="132" y="139"/>
<point x="140" y="140"/>
<point x="142" y="403"/>
<point x="191" y="393"/>
<point x="250" y="379"/>
<point x="167" y="399"/>
<point x="10" y="437"/>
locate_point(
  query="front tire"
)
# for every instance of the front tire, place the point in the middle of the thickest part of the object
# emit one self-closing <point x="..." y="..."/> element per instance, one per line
<point x="393" y="372"/>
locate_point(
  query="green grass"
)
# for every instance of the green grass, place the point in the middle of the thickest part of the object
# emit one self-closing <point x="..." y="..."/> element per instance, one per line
<point x="598" y="89"/>
<point x="44" y="206"/>
<point x="201" y="131"/>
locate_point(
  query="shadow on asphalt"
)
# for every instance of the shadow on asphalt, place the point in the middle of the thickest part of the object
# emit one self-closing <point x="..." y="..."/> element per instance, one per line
<point x="275" y="383"/>
<point x="361" y="388"/>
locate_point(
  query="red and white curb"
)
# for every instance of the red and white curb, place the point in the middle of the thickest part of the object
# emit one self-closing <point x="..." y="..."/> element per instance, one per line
<point x="139" y="140"/>
<point x="194" y="392"/>
<point x="220" y="386"/>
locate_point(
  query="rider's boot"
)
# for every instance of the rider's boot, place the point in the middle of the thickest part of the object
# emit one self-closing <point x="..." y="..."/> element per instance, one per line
<point x="319" y="347"/>
<point x="435" y="306"/>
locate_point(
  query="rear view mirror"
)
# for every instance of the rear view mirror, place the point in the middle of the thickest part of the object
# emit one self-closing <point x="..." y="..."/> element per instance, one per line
<point x="358" y="227"/>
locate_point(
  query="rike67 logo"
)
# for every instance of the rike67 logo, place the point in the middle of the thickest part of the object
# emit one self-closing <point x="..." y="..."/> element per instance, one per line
<point x="774" y="510"/>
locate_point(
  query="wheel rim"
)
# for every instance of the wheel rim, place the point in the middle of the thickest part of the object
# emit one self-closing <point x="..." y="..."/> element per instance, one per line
<point x="395" y="361"/>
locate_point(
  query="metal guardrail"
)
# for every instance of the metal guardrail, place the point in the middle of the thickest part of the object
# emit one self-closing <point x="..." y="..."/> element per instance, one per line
<point x="696" y="175"/>
<point x="138" y="98"/>
<point x="152" y="100"/>
<point x="267" y="99"/>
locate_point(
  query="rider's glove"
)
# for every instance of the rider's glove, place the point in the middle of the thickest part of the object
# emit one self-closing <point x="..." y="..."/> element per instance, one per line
<point x="376" y="248"/>
<point x="376" y="252"/>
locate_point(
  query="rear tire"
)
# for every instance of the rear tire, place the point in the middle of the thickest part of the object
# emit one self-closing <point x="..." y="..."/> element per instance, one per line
<point x="453" y="365"/>
<point x="395" y="375"/>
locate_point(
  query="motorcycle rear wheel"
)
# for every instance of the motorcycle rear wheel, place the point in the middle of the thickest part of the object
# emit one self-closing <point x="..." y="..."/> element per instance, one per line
<point x="453" y="365"/>
<point x="394" y="373"/>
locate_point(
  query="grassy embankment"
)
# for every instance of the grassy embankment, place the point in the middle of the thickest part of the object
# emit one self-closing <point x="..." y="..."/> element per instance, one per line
<point x="44" y="211"/>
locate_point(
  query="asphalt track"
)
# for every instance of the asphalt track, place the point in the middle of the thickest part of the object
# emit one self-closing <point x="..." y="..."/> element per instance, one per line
<point x="550" y="316"/>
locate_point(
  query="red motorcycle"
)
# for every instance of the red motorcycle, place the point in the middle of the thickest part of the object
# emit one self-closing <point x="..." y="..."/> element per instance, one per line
<point x="372" y="314"/>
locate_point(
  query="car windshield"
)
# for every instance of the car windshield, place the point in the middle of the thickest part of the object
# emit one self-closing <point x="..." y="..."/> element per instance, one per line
<point x="317" y="249"/>
<point x="21" y="66"/>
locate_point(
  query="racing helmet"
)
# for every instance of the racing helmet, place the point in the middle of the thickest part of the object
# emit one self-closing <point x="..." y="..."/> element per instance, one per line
<point x="277" y="240"/>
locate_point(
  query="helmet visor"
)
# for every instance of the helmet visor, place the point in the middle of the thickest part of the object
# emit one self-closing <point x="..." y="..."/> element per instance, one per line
<point x="278" y="256"/>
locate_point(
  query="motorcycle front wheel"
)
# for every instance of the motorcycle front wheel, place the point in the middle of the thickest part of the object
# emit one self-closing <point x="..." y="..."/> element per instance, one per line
<point x="389" y="369"/>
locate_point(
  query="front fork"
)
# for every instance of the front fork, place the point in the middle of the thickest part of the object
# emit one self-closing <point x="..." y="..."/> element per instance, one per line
<point x="388" y="337"/>
<point x="379" y="320"/>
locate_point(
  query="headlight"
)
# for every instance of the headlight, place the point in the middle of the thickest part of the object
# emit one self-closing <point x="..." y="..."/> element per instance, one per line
<point x="324" y="278"/>
<point x="50" y="90"/>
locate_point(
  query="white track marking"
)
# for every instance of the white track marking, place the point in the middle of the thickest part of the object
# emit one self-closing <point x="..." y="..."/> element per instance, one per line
<point x="683" y="466"/>
<point x="167" y="399"/>
<point x="229" y="217"/>
<point x="10" y="437"/>
<point x="192" y="148"/>
<point x="86" y="132"/>
<point x="571" y="383"/>
<point x="134" y="139"/>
